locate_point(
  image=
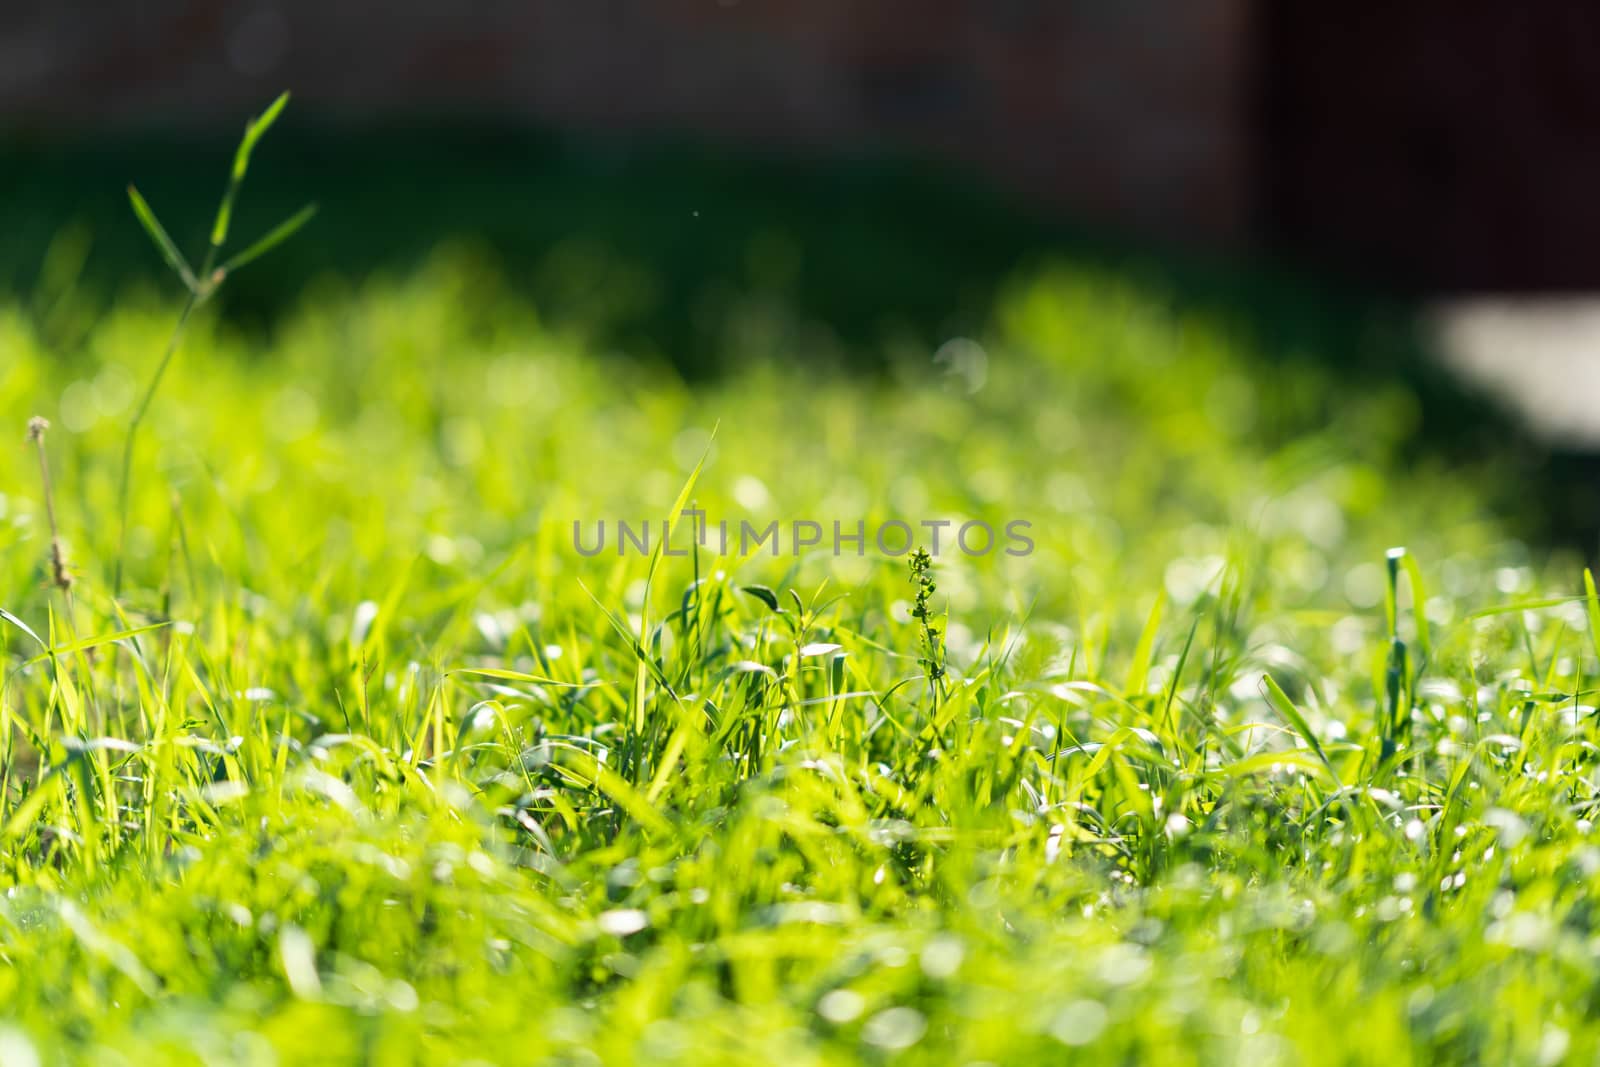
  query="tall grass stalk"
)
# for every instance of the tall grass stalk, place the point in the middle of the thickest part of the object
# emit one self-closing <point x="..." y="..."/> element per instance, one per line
<point x="60" y="573"/>
<point x="201" y="287"/>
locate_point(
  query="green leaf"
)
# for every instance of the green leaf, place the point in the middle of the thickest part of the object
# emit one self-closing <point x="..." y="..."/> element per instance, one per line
<point x="635" y="645"/>
<point x="86" y="643"/>
<point x="219" y="229"/>
<point x="252" y="133"/>
<point x="1592" y="601"/>
<point x="520" y="676"/>
<point x="1523" y="605"/>
<point x="1391" y="598"/>
<point x="6" y="616"/>
<point x="1139" y="672"/>
<point x="26" y="813"/>
<point x="158" y="234"/>
<point x="676" y="511"/>
<point x="1299" y="758"/>
<point x="241" y="163"/>
<point x="1285" y="707"/>
<point x="274" y="237"/>
<point x="1177" y="674"/>
<point x="269" y="116"/>
<point x="1419" y="601"/>
<point x="765" y="595"/>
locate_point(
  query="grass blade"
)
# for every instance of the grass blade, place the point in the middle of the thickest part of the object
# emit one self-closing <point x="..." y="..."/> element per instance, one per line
<point x="158" y="235"/>
<point x="1419" y="600"/>
<point x="86" y="643"/>
<point x="1592" y="602"/>
<point x="6" y="616"/>
<point x="272" y="239"/>
<point x="253" y="131"/>
<point x="1139" y="672"/>
<point x="1284" y="706"/>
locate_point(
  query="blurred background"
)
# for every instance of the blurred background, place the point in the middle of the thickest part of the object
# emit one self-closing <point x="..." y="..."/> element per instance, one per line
<point x="1406" y="191"/>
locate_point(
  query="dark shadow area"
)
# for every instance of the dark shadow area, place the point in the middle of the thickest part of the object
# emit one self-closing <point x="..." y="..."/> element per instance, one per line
<point x="1440" y="145"/>
<point x="1439" y="148"/>
<point x="644" y="247"/>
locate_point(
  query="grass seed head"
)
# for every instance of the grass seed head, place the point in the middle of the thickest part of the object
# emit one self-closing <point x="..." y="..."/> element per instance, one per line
<point x="922" y="578"/>
<point x="60" y="571"/>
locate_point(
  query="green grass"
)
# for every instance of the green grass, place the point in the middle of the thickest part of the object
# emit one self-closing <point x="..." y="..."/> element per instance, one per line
<point x="368" y="763"/>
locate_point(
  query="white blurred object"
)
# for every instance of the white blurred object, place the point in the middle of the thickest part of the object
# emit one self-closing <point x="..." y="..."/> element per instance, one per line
<point x="1539" y="355"/>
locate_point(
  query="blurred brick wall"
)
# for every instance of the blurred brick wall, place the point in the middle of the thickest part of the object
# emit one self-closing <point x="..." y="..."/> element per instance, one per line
<point x="1130" y="113"/>
<point x="1447" y="144"/>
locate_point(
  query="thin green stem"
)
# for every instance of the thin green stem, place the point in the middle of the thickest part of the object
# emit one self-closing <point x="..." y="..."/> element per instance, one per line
<point x="202" y="285"/>
<point x="194" y="301"/>
<point x="206" y="284"/>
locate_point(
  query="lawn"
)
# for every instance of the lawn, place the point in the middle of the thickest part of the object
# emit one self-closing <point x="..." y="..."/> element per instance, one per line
<point x="1279" y="745"/>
